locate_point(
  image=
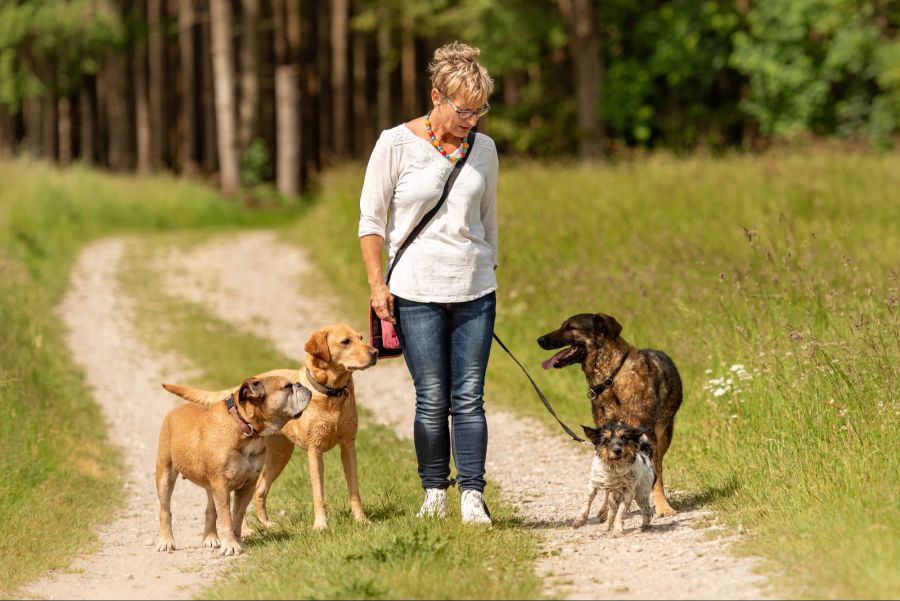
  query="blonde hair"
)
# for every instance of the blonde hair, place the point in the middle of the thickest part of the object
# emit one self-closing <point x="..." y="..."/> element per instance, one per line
<point x="455" y="68"/>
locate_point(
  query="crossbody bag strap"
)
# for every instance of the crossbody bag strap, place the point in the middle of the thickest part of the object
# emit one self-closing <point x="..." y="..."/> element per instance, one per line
<point x="457" y="167"/>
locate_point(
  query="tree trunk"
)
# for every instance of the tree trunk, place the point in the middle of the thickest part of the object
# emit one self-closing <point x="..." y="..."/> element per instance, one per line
<point x="7" y="135"/>
<point x="326" y="104"/>
<point x="210" y="143"/>
<point x="584" y="48"/>
<point x="364" y="129"/>
<point x="87" y="123"/>
<point x="34" y="132"/>
<point x="220" y="20"/>
<point x="187" y="141"/>
<point x="118" y="131"/>
<point x="156" y="54"/>
<point x="408" y="70"/>
<point x="50" y="121"/>
<point x="340" y="94"/>
<point x="64" y="120"/>
<point x="249" y="111"/>
<point x="288" y="119"/>
<point x="385" y="67"/>
<point x="143" y="127"/>
<point x="287" y="100"/>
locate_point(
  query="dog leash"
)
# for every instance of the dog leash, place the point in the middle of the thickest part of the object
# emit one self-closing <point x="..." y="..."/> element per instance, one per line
<point x="540" y="394"/>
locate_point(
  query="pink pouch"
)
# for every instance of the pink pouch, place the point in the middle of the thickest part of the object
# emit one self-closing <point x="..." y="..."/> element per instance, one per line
<point x="383" y="336"/>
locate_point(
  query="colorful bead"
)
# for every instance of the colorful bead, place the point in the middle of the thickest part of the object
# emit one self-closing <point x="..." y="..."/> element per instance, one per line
<point x="463" y="149"/>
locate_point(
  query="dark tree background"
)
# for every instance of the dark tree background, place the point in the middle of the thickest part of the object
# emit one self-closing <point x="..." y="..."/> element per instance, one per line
<point x="256" y="91"/>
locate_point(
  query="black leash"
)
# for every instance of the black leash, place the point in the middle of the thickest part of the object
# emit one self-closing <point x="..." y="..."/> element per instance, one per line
<point x="544" y="400"/>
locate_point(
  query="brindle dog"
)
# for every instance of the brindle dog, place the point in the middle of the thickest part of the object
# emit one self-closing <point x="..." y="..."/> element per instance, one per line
<point x="640" y="387"/>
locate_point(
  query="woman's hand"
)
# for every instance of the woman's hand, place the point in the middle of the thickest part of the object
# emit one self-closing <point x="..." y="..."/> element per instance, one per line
<point x="382" y="301"/>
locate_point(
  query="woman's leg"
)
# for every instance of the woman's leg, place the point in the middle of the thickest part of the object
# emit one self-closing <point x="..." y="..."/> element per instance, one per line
<point x="424" y="335"/>
<point x="472" y="326"/>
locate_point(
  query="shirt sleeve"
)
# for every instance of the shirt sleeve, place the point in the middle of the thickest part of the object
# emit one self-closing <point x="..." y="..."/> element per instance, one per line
<point x="489" y="205"/>
<point x="378" y="188"/>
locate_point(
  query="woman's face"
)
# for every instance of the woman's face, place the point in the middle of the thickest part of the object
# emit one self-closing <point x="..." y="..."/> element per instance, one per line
<point x="448" y="111"/>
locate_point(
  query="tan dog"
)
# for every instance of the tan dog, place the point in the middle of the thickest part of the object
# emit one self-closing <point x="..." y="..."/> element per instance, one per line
<point x="333" y="353"/>
<point x="221" y="447"/>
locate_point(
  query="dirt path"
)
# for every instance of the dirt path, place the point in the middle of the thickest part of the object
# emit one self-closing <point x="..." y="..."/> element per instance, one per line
<point x="124" y="377"/>
<point x="540" y="472"/>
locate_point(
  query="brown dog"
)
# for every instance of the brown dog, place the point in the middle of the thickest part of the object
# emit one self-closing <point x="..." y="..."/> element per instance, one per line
<point x="333" y="353"/>
<point x="220" y="447"/>
<point x="640" y="387"/>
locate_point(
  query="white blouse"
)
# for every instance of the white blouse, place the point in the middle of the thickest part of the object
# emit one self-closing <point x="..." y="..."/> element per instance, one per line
<point x="454" y="256"/>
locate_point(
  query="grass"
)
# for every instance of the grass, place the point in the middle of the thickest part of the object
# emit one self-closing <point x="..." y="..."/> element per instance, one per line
<point x="784" y="265"/>
<point x="396" y="556"/>
<point x="46" y="216"/>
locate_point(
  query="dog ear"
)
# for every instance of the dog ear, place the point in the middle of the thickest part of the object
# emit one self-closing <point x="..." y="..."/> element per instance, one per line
<point x="644" y="446"/>
<point x="317" y="346"/>
<point x="608" y="324"/>
<point x="252" y="390"/>
<point x="591" y="433"/>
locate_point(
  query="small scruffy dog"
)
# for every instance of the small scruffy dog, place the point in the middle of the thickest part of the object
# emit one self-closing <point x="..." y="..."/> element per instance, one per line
<point x="623" y="470"/>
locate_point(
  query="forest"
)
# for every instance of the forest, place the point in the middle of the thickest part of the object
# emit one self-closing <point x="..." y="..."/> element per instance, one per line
<point x="252" y="92"/>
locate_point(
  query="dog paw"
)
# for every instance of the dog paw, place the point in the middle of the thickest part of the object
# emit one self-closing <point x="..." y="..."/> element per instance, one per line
<point x="211" y="542"/>
<point x="165" y="545"/>
<point x="664" y="511"/>
<point x="579" y="521"/>
<point x="616" y="532"/>
<point x="267" y="523"/>
<point x="231" y="548"/>
<point x="320" y="525"/>
<point x="361" y="518"/>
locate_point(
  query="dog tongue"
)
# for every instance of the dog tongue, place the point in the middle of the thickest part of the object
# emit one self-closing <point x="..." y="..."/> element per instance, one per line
<point x="548" y="363"/>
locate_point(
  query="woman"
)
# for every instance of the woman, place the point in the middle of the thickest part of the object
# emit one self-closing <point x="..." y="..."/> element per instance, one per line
<point x="441" y="294"/>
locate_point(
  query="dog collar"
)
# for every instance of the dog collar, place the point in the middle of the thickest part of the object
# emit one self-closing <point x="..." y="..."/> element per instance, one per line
<point x="606" y="384"/>
<point x="327" y="390"/>
<point x="246" y="428"/>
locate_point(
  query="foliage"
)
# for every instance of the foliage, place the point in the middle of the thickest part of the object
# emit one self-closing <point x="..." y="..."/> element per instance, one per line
<point x="48" y="45"/>
<point x="812" y="67"/>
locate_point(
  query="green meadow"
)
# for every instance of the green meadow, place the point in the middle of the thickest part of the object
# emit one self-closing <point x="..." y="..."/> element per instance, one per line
<point x="771" y="281"/>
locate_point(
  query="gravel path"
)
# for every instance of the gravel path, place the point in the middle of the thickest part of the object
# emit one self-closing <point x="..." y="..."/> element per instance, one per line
<point x="539" y="470"/>
<point x="125" y="379"/>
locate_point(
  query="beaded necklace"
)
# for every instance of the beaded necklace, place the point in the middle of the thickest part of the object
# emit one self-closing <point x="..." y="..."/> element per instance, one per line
<point x="463" y="149"/>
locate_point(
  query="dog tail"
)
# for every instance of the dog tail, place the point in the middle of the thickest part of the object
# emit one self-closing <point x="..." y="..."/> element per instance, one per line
<point x="197" y="395"/>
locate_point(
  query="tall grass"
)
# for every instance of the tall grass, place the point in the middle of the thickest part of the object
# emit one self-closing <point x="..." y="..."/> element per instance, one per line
<point x="772" y="282"/>
<point x="57" y="468"/>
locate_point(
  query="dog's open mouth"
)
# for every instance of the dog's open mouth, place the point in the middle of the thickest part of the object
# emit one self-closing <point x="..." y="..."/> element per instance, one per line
<point x="565" y="357"/>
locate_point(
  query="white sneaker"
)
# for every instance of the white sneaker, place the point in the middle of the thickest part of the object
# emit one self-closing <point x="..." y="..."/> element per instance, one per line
<point x="435" y="504"/>
<point x="473" y="508"/>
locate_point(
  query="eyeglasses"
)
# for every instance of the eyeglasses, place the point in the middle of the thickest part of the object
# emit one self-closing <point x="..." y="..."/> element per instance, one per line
<point x="467" y="113"/>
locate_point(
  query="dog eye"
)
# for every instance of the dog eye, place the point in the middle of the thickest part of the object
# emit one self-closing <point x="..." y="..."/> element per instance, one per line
<point x="345" y="341"/>
<point x="289" y="385"/>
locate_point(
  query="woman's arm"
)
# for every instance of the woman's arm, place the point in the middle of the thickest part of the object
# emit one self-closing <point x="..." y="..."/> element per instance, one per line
<point x="489" y="207"/>
<point x="375" y="200"/>
<point x="380" y="295"/>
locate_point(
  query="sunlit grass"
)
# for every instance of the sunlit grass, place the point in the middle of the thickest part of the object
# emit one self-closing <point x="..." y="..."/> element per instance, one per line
<point x="57" y="468"/>
<point x="786" y="265"/>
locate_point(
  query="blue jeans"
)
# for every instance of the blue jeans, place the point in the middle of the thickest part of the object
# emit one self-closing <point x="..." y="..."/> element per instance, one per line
<point x="446" y="346"/>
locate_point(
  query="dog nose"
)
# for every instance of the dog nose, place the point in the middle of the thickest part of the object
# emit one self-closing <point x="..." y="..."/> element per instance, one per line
<point x="373" y="352"/>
